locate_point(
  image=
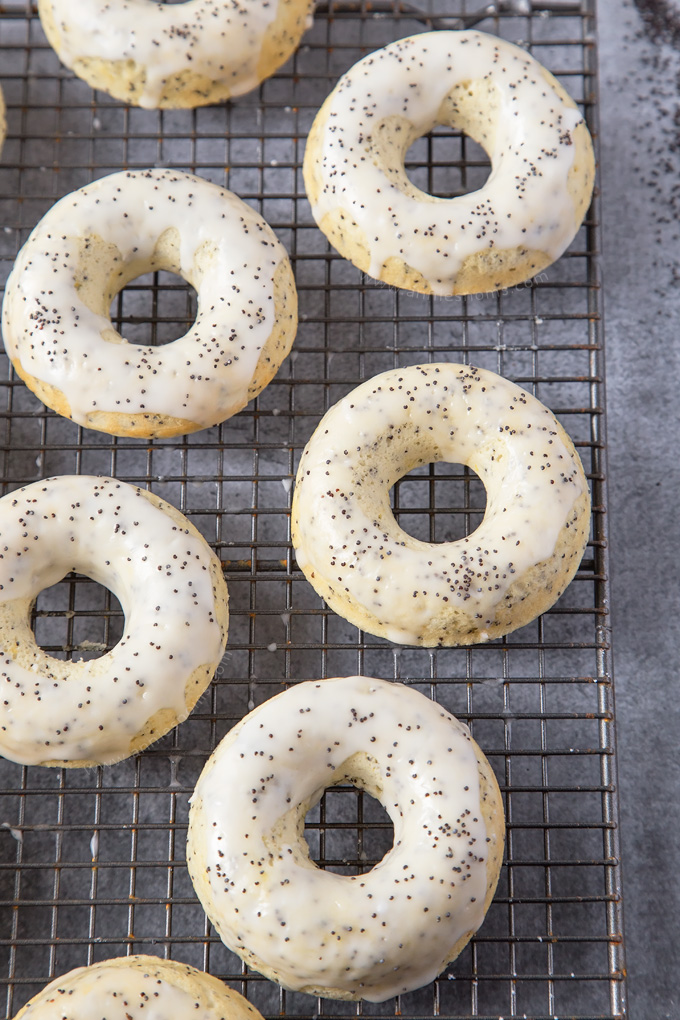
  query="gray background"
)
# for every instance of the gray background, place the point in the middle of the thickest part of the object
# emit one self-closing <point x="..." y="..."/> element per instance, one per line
<point x="640" y="149"/>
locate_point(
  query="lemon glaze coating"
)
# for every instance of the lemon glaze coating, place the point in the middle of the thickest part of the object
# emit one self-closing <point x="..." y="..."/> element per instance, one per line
<point x="174" y="597"/>
<point x="367" y="936"/>
<point x="137" y="988"/>
<point x="184" y="55"/>
<point x="56" y="320"/>
<point x="520" y="221"/>
<point x="512" y="568"/>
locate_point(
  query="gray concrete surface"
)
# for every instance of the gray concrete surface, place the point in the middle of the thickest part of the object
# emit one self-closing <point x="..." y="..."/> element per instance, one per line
<point x="640" y="146"/>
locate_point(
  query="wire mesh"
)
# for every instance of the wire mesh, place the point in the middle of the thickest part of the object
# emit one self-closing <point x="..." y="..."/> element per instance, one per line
<point x="92" y="861"/>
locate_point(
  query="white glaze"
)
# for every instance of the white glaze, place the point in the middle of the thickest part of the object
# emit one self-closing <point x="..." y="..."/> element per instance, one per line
<point x="219" y="40"/>
<point x="373" y="935"/>
<point x="343" y="528"/>
<point x="137" y="988"/>
<point x="96" y="992"/>
<point x="527" y="134"/>
<point x="160" y="571"/>
<point x="227" y="252"/>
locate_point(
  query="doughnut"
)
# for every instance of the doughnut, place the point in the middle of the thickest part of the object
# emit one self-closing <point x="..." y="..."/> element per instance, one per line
<point x="174" y="597"/>
<point x="57" y="325"/>
<point x="367" y="936"/>
<point x="519" y="222"/>
<point x="185" y="55"/>
<point x="131" y="988"/>
<point x="511" y="569"/>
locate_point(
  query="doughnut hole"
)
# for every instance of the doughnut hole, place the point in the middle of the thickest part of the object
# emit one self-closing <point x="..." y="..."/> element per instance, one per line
<point x="447" y="163"/>
<point x="455" y="490"/>
<point x="146" y="298"/>
<point x="77" y="619"/>
<point x="348" y="831"/>
<point x="154" y="308"/>
<point x="451" y="159"/>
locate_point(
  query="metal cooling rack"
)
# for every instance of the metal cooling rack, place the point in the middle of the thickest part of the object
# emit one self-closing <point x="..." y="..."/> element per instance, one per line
<point x="92" y="861"/>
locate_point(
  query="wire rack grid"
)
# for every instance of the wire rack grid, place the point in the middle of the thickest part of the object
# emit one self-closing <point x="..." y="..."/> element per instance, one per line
<point x="92" y="861"/>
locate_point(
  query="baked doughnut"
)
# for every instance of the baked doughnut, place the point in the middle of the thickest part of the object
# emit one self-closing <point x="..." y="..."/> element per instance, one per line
<point x="519" y="222"/>
<point x="57" y="325"/>
<point x="131" y="988"/>
<point x="172" y="591"/>
<point x="366" y="936"/>
<point x="511" y="569"/>
<point x="183" y="55"/>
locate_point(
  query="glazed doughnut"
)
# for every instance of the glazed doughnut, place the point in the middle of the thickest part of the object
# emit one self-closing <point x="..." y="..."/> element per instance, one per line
<point x="519" y="222"/>
<point x="57" y="325"/>
<point x="193" y="53"/>
<point x="174" y="597"/>
<point x="134" y="987"/>
<point x="511" y="569"/>
<point x="366" y="936"/>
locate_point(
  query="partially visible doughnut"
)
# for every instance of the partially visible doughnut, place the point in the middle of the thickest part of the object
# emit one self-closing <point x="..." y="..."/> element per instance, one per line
<point x="519" y="222"/>
<point x="190" y="54"/>
<point x="369" y="936"/>
<point x="137" y="988"/>
<point x="511" y="569"/>
<point x="172" y="591"/>
<point x="56" y="313"/>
